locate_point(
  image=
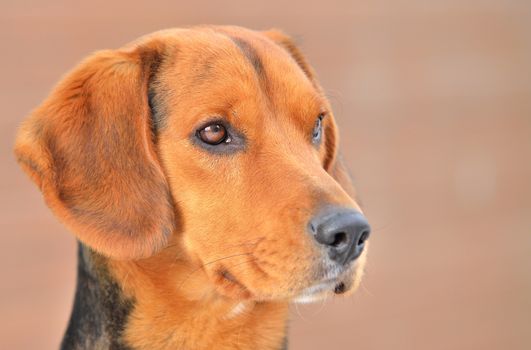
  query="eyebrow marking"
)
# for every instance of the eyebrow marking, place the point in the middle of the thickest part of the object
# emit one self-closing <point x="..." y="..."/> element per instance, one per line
<point x="250" y="53"/>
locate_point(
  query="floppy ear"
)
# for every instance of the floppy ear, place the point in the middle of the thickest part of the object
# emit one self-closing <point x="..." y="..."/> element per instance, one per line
<point x="333" y="162"/>
<point x="89" y="149"/>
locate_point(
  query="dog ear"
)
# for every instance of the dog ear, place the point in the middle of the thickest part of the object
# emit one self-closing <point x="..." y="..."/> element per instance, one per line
<point x="333" y="162"/>
<point x="89" y="147"/>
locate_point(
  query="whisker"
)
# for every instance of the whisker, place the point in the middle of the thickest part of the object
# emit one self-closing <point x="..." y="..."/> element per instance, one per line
<point x="245" y="243"/>
<point x="241" y="263"/>
<point x="171" y="245"/>
<point x="321" y="307"/>
<point x="300" y="314"/>
<point x="365" y="289"/>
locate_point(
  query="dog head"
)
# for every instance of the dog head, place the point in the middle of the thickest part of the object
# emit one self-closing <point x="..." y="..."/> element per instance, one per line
<point x="211" y="146"/>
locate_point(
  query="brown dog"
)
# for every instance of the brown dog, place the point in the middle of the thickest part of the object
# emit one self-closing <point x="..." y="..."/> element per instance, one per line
<point x="199" y="170"/>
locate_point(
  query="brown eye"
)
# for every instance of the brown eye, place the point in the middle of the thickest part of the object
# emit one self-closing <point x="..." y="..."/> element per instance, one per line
<point x="213" y="134"/>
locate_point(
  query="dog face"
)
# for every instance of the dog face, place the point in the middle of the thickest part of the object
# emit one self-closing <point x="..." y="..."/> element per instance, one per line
<point x="213" y="147"/>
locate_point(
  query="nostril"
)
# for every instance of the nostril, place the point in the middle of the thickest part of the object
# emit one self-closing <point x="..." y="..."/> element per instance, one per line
<point x="364" y="236"/>
<point x="340" y="239"/>
<point x="342" y="232"/>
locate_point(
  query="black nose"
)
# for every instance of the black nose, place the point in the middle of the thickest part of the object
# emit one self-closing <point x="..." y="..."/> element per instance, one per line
<point x="342" y="231"/>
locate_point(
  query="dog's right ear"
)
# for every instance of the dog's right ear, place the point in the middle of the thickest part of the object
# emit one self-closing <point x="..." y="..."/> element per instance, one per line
<point x="89" y="148"/>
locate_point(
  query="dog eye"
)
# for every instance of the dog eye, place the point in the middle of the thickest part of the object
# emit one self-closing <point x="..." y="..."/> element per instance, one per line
<point x="318" y="129"/>
<point x="213" y="134"/>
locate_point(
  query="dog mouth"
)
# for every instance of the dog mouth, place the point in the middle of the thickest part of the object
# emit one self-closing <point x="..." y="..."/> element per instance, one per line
<point x="321" y="291"/>
<point x="328" y="280"/>
<point x="336" y="281"/>
<point x="315" y="292"/>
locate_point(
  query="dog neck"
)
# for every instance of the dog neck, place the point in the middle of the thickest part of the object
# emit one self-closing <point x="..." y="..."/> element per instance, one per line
<point x="127" y="305"/>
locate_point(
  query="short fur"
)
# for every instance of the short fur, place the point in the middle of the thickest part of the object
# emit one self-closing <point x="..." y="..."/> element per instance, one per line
<point x="182" y="248"/>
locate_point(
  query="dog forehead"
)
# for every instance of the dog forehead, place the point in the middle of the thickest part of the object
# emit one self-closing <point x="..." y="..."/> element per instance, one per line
<point x="210" y="54"/>
<point x="234" y="63"/>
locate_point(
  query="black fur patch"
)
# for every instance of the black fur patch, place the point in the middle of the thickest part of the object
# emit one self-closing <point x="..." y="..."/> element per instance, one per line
<point x="158" y="114"/>
<point x="158" y="120"/>
<point x="250" y="53"/>
<point x="100" y="309"/>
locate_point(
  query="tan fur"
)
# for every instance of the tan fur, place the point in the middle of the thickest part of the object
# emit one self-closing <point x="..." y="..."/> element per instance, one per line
<point x="190" y="235"/>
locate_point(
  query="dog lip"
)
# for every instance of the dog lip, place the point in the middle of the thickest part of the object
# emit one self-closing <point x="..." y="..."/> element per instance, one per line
<point x="340" y="288"/>
<point x="319" y="287"/>
<point x="314" y="292"/>
<point x="318" y="290"/>
<point x="228" y="276"/>
<point x="228" y="283"/>
<point x="331" y="270"/>
<point x="333" y="280"/>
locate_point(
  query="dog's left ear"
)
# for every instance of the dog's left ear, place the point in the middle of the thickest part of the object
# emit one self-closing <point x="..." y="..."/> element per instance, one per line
<point x="333" y="162"/>
<point x="89" y="147"/>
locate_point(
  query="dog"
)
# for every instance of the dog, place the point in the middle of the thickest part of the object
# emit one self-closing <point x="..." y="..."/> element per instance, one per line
<point x="199" y="170"/>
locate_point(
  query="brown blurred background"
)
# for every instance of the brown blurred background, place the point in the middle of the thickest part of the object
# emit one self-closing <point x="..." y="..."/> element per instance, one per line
<point x="434" y="103"/>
